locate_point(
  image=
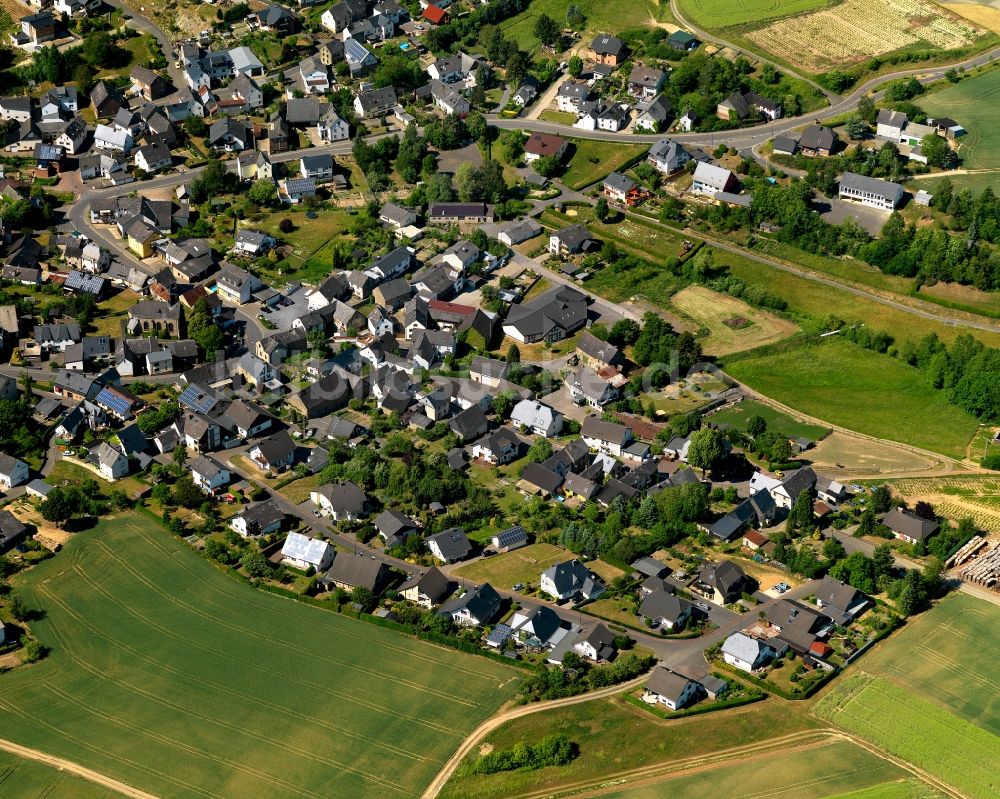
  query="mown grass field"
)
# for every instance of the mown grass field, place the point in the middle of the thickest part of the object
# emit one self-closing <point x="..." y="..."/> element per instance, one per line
<point x="843" y="384"/>
<point x="28" y="779"/>
<point x="523" y="565"/>
<point x="615" y="737"/>
<point x="732" y="325"/>
<point x="171" y="677"/>
<point x="810" y="773"/>
<point x="737" y="416"/>
<point x="593" y="160"/>
<point x="973" y="102"/>
<point x="600" y="17"/>
<point x="730" y="13"/>
<point x="900" y="789"/>
<point x="311" y="240"/>
<point x="948" y="656"/>
<point x="916" y="730"/>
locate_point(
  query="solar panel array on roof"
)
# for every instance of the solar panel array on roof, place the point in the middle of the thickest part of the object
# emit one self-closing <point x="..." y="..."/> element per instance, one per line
<point x="114" y="401"/>
<point x="499" y="635"/>
<point x="198" y="399"/>
<point x="78" y="281"/>
<point x="514" y="535"/>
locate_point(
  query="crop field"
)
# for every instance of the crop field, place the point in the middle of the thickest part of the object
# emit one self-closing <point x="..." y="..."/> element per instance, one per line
<point x="900" y="789"/>
<point x="845" y="385"/>
<point x="732" y="325"/>
<point x="975" y="496"/>
<point x="29" y="779"/>
<point x="808" y="773"/>
<point x="523" y="565"/>
<point x="729" y="13"/>
<point x="948" y="656"/>
<point x="918" y="731"/>
<point x="615" y="738"/>
<point x="974" y="103"/>
<point x="173" y="678"/>
<point x="985" y="16"/>
<point x="594" y="160"/>
<point x="856" y="30"/>
<point x="737" y="415"/>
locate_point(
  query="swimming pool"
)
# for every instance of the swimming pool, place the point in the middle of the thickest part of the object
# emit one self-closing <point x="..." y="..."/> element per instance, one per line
<point x="404" y="45"/>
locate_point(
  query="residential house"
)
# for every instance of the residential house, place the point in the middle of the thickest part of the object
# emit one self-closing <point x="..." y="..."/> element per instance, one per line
<point x="741" y="106"/>
<point x="314" y="74"/>
<point x="341" y="500"/>
<point x="330" y="127"/>
<point x="157" y="317"/>
<point x="670" y="689"/>
<point x="551" y="316"/>
<point x="841" y="601"/>
<point x="596" y="644"/>
<point x="572" y="95"/>
<point x="724" y="582"/>
<point x="350" y="571"/>
<point x="656" y="116"/>
<point x="246" y="63"/>
<point x="889" y="124"/>
<point x="609" y="50"/>
<point x="394" y="527"/>
<point x="359" y="60"/>
<point x="13" y="472"/>
<point x="750" y="654"/>
<point x="307" y="553"/>
<point x="570" y="240"/>
<point x="259" y="519"/>
<point x="708" y="180"/>
<point x="427" y="589"/>
<point x="664" y="609"/>
<point x="460" y="214"/>
<point x="570" y="580"/>
<point x="111" y="462"/>
<point x="35" y="29"/>
<point x="450" y="546"/>
<point x="376" y="102"/>
<point x="295" y="190"/>
<point x="872" y="192"/>
<point x="112" y="139"/>
<point x="544" y="145"/>
<point x="208" y="474"/>
<point x="622" y="189"/>
<point x="236" y="285"/>
<point x="607" y="437"/>
<point x="644" y="83"/>
<point x="448" y="100"/>
<point x="274" y="453"/>
<point x="230" y="135"/>
<point x="397" y="216"/>
<point x="537" y="418"/>
<point x="908" y="526"/>
<point x="278" y="19"/>
<point x="500" y="447"/>
<point x="150" y="85"/>
<point x="476" y="607"/>
<point x="151" y="158"/>
<point x="12" y="531"/>
<point x="510" y="539"/>
<point x="817" y="140"/>
<point x="471" y="424"/>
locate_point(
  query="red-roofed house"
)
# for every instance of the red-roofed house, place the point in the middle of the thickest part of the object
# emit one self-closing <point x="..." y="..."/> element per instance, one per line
<point x="544" y="144"/>
<point x="435" y="15"/>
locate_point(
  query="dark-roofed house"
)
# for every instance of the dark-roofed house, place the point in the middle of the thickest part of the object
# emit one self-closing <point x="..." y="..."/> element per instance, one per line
<point x="274" y="453"/>
<point x="259" y="519"/>
<point x="12" y="531"/>
<point x="817" y="140"/>
<point x="470" y="424"/>
<point x="476" y="607"/>
<point x="909" y="527"/>
<point x="724" y="582"/>
<point x="450" y="545"/>
<point x="460" y="214"/>
<point x="511" y="538"/>
<point x="552" y="316"/>
<point x="341" y="500"/>
<point x="664" y="609"/>
<point x="499" y="447"/>
<point x="598" y="354"/>
<point x="394" y="527"/>
<point x="841" y="601"/>
<point x="570" y="580"/>
<point x="326" y="395"/>
<point x="570" y="240"/>
<point x="542" y="145"/>
<point x="427" y="589"/>
<point x="596" y="643"/>
<point x="376" y="102"/>
<point x="670" y="689"/>
<point x="605" y="436"/>
<point x="536" y="479"/>
<point x="609" y="50"/>
<point x="350" y="571"/>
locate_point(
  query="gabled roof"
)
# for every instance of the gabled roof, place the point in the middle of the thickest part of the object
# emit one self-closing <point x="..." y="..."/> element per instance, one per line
<point x="453" y="543"/>
<point x="432" y="583"/>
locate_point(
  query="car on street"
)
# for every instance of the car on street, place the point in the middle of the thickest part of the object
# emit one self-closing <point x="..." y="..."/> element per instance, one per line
<point x="702" y="606"/>
<point x="518" y="586"/>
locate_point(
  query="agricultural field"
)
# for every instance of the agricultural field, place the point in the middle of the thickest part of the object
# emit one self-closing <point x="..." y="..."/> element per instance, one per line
<point x="29" y="779"/>
<point x="854" y="455"/>
<point x="717" y="14"/>
<point x="523" y="565"/>
<point x="973" y="102"/>
<point x="810" y="772"/>
<point x="975" y="496"/>
<point x="917" y="731"/>
<point x="732" y="325"/>
<point x="593" y="160"/>
<point x="157" y="658"/>
<point x="948" y="656"/>
<point x="616" y="738"/>
<point x="848" y="386"/>
<point x="856" y="30"/>
<point x="600" y="17"/>
<point x="899" y="789"/>
<point x="737" y="415"/>
<point x="985" y="16"/>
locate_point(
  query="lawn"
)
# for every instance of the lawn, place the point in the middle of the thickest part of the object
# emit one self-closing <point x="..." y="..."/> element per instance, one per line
<point x="311" y="241"/>
<point x="967" y="298"/>
<point x="948" y="656"/>
<point x="593" y="160"/>
<point x="112" y="313"/>
<point x="916" y="730"/>
<point x="29" y="779"/>
<point x="737" y="416"/>
<point x="843" y="384"/>
<point x="974" y="182"/>
<point x="617" y="609"/>
<point x="171" y="677"/>
<point x="973" y="102"/>
<point x="815" y="300"/>
<point x="523" y="565"/>
<point x="559" y="117"/>
<point x="600" y="17"/>
<point x="731" y="324"/>
<point x="615" y="737"/>
<point x="809" y="773"/>
<point x="726" y="13"/>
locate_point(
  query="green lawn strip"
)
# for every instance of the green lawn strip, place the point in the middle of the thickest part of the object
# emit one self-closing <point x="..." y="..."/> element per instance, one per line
<point x="920" y="732"/>
<point x="523" y="565"/>
<point x="28" y="779"/>
<point x="158" y="658"/>
<point x="718" y="14"/>
<point x="615" y="737"/>
<point x="861" y="390"/>
<point x="593" y="160"/>
<point x="808" y="774"/>
<point x="899" y="789"/>
<point x="737" y="416"/>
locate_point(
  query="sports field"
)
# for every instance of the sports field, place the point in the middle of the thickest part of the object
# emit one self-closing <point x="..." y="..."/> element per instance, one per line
<point x="730" y="13"/>
<point x="28" y="779"/>
<point x="922" y="733"/>
<point x="732" y="325"/>
<point x="861" y="390"/>
<point x="974" y="104"/>
<point x="809" y="773"/>
<point x="173" y="678"/>
<point x="948" y="656"/>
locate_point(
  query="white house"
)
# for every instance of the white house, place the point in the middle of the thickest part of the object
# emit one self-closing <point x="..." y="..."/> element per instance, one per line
<point x="306" y="553"/>
<point x="236" y="285"/>
<point x="749" y="654"/>
<point x="153" y="157"/>
<point x="341" y="500"/>
<point x="569" y="580"/>
<point x="260" y="519"/>
<point x="709" y="180"/>
<point x="12" y="471"/>
<point x="112" y="140"/>
<point x="111" y="462"/>
<point x="670" y="689"/>
<point x="538" y="418"/>
<point x="332" y="128"/>
<point x="208" y="474"/>
<point x="605" y="436"/>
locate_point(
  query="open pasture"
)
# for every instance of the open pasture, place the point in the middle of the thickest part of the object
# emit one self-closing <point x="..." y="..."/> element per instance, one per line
<point x="732" y="325"/>
<point x="599" y="17"/>
<point x="948" y="656"/>
<point x="920" y="732"/>
<point x="975" y="104"/>
<point x="173" y="678"/>
<point x="738" y="414"/>
<point x="856" y="30"/>
<point x="899" y="789"/>
<point x="811" y="772"/>
<point x="860" y="390"/>
<point x="729" y="13"/>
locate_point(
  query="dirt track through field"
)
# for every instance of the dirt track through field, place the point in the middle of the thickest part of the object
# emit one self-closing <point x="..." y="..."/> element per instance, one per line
<point x="74" y="768"/>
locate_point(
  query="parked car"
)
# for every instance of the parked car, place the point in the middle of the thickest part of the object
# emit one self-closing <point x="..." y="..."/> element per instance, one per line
<point x="518" y="586"/>
<point x="702" y="606"/>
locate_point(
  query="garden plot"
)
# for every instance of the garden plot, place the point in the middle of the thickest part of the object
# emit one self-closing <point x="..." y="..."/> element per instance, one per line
<point x="859" y="29"/>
